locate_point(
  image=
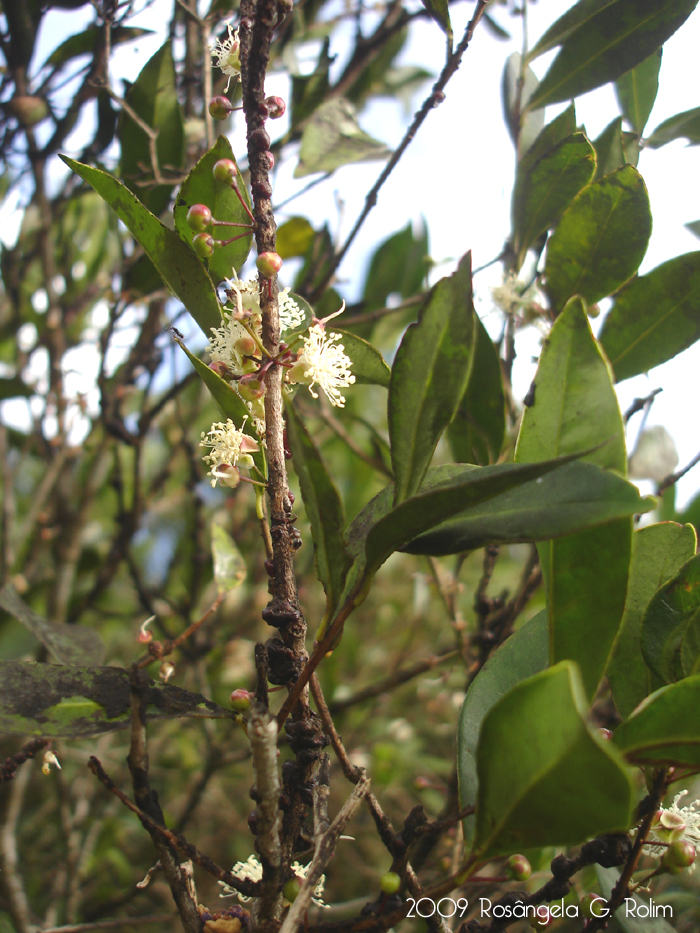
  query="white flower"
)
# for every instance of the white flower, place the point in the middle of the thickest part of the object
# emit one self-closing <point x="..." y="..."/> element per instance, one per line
<point x="673" y="817"/>
<point x="228" y="55"/>
<point x="230" y="344"/>
<point x="49" y="759"/>
<point x="322" y="361"/>
<point x="512" y="295"/>
<point x="230" y="448"/>
<point x="291" y="315"/>
<point x="250" y="870"/>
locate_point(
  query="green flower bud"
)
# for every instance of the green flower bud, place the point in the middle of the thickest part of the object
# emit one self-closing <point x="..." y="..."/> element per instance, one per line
<point x="203" y="245"/>
<point x="224" y="170"/>
<point x="198" y="217"/>
<point x="240" y="699"/>
<point x="678" y="857"/>
<point x="518" y="868"/>
<point x="220" y="107"/>
<point x="291" y="890"/>
<point x="269" y="264"/>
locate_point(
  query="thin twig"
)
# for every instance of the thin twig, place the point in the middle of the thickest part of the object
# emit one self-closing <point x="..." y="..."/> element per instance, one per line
<point x="107" y="924"/>
<point x="674" y="477"/>
<point x="262" y="732"/>
<point x="639" y="404"/>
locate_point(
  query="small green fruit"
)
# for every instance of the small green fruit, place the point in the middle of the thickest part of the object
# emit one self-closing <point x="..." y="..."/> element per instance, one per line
<point x="220" y="107"/>
<point x="203" y="245"/>
<point x="291" y="890"/>
<point x="225" y="170"/>
<point x="269" y="264"/>
<point x="518" y="868"/>
<point x="390" y="882"/>
<point x="240" y="699"/>
<point x="678" y="857"/>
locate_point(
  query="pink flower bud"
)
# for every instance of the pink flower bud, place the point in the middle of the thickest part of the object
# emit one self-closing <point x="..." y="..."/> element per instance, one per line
<point x="224" y="170"/>
<point x="220" y="368"/>
<point x="203" y="245"/>
<point x="268" y="264"/>
<point x="518" y="868"/>
<point x="246" y="346"/>
<point x="250" y="388"/>
<point x="240" y="699"/>
<point x="220" y="107"/>
<point x="276" y="107"/>
<point x="198" y="217"/>
<point x="270" y="160"/>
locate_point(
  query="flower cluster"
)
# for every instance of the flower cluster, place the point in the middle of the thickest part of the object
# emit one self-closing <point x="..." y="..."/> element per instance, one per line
<point x="231" y="451"/>
<point x="676" y="823"/>
<point x="228" y="55"/>
<point x="251" y="870"/>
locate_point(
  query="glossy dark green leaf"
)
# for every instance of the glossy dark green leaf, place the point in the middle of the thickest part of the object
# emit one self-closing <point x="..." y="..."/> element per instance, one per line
<point x="575" y="497"/>
<point x="333" y="137"/>
<point x="83" y="43"/>
<point x="670" y="636"/>
<point x="68" y="644"/>
<point x="628" y="921"/>
<point x="636" y="91"/>
<point x="665" y="729"/>
<point x="79" y="702"/>
<point x="429" y="377"/>
<point x="600" y="240"/>
<point x="525" y="653"/>
<point x="658" y="553"/>
<point x="324" y="509"/>
<point x="684" y="125"/>
<point x="398" y="267"/>
<point x="477" y="430"/>
<point x="518" y="84"/>
<point x="655" y="317"/>
<point x="608" y="149"/>
<point x="543" y="192"/>
<point x="153" y="97"/>
<point x="608" y="40"/>
<point x="200" y="187"/>
<point x="229" y="565"/>
<point x="182" y="272"/>
<point x="586" y="573"/>
<point x="368" y="365"/>
<point x="294" y="237"/>
<point x="537" y="754"/>
<point x="440" y="12"/>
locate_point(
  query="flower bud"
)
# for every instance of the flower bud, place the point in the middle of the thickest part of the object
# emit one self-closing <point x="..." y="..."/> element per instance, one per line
<point x="270" y="160"/>
<point x="670" y="827"/>
<point x="144" y="636"/>
<point x="605" y="734"/>
<point x="542" y="919"/>
<point x="390" y="882"/>
<point x="228" y="475"/>
<point x="518" y="868"/>
<point x="260" y="138"/>
<point x="220" y="107"/>
<point x="166" y="671"/>
<point x="291" y="890"/>
<point x="220" y="368"/>
<point x="246" y="346"/>
<point x="224" y="170"/>
<point x="276" y="107"/>
<point x="679" y="856"/>
<point x="198" y="217"/>
<point x="269" y="264"/>
<point x="240" y="699"/>
<point x="203" y="245"/>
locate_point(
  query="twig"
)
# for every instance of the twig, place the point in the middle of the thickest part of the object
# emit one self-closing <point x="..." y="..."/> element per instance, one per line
<point x="434" y="99"/>
<point x="325" y="841"/>
<point x="158" y="650"/>
<point x="11" y="878"/>
<point x="9" y="767"/>
<point x="107" y="924"/>
<point x="393" y="680"/>
<point x="262" y="732"/>
<point x="379" y="313"/>
<point x="674" y="477"/>
<point x="176" y="840"/>
<point x="639" y="404"/>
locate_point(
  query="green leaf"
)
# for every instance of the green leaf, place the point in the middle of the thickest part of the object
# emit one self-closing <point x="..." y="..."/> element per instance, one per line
<point x="79" y="702"/>
<point x="153" y="97"/>
<point x="658" y="553"/>
<point x="200" y="187"/>
<point x="554" y="132"/>
<point x="182" y="272"/>
<point x="477" y="430"/>
<point x="83" y="43"/>
<point x="637" y="89"/>
<point x="586" y="573"/>
<point x="429" y="377"/>
<point x="368" y="365"/>
<point x="324" y="509"/>
<point x="518" y="84"/>
<point x="229" y="565"/>
<point x="655" y="317"/>
<point x="601" y="239"/>
<point x="608" y="149"/>
<point x="440" y="12"/>
<point x="608" y="878"/>
<point x="665" y="729"/>
<point x="537" y="754"/>
<point x="609" y="39"/>
<point x="68" y="644"/>
<point x="398" y="266"/>
<point x="525" y="653"/>
<point x="670" y="636"/>
<point x="684" y="125"/>
<point x="294" y="237"/>
<point x="694" y="227"/>
<point x="333" y="137"/>
<point x="574" y="497"/>
<point x="543" y="192"/>
<point x="578" y="15"/>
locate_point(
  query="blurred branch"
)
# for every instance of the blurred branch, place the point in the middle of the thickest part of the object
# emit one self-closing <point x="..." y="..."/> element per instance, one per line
<point x="673" y="478"/>
<point x="107" y="924"/>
